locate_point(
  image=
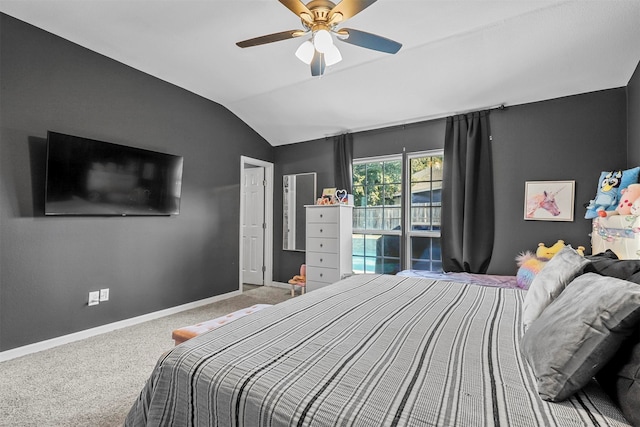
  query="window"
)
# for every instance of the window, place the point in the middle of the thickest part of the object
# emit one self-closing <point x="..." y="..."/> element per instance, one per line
<point x="393" y="232"/>
<point x="424" y="206"/>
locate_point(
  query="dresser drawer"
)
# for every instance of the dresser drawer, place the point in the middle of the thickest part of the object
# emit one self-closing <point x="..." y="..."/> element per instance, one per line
<point x="312" y="286"/>
<point x="321" y="259"/>
<point x="321" y="274"/>
<point x="318" y="244"/>
<point x="325" y="215"/>
<point x="318" y="229"/>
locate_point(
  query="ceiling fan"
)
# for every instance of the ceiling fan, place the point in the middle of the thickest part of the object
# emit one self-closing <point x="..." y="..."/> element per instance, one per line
<point x="321" y="18"/>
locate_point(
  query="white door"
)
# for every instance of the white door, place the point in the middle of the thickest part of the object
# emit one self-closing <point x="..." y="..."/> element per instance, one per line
<point x="253" y="227"/>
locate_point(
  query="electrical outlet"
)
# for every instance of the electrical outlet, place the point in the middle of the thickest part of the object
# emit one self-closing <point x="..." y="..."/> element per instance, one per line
<point x="94" y="297"/>
<point x="104" y="294"/>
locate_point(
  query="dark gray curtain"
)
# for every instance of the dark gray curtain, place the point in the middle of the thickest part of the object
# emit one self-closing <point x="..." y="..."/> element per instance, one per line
<point x="467" y="194"/>
<point x="343" y="161"/>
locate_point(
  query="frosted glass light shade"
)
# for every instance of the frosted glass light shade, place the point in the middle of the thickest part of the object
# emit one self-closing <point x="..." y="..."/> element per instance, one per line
<point x="332" y="56"/>
<point x="322" y="41"/>
<point x="305" y="52"/>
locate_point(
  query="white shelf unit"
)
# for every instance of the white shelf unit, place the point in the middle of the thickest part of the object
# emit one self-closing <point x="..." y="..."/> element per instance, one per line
<point x="328" y="244"/>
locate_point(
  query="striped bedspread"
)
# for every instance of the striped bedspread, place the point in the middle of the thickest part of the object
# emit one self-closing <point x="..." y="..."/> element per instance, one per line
<point x="368" y="351"/>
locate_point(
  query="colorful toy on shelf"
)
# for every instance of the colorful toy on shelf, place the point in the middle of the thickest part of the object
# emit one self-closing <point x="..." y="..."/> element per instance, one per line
<point x="627" y="197"/>
<point x="610" y="186"/>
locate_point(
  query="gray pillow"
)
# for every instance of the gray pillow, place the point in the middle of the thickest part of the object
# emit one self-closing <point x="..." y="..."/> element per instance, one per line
<point x="551" y="281"/>
<point x="579" y="332"/>
<point x="620" y="378"/>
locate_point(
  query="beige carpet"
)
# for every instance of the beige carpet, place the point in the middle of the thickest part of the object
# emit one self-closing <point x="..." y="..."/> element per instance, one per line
<point x="95" y="381"/>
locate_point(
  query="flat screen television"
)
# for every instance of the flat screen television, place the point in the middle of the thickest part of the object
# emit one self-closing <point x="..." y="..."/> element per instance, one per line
<point x="88" y="177"/>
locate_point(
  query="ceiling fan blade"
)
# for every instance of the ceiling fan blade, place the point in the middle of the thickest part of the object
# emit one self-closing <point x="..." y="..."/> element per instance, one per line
<point x="270" y="38"/>
<point x="317" y="64"/>
<point x="368" y="40"/>
<point x="349" y="8"/>
<point x="299" y="8"/>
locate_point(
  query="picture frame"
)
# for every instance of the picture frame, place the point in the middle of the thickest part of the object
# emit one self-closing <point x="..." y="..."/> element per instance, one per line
<point x="549" y="200"/>
<point x="328" y="192"/>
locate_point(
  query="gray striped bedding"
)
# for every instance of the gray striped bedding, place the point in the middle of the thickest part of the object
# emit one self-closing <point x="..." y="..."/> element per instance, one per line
<point x="371" y="350"/>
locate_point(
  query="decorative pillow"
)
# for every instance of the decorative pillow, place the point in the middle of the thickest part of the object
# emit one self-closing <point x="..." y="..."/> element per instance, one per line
<point x="579" y="333"/>
<point x="610" y="185"/>
<point x="551" y="281"/>
<point x="620" y="378"/>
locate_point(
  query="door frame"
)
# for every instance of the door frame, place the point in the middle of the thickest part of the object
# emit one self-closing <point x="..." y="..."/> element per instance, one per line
<point x="268" y="218"/>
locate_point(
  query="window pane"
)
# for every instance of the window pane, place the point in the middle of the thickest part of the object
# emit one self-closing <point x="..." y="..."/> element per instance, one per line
<point x="388" y="246"/>
<point x="374" y="173"/>
<point x="393" y="172"/>
<point x="364" y="253"/>
<point x="387" y="266"/>
<point x="425" y="253"/>
<point x="359" y="173"/>
<point x="358" y="218"/>
<point x="358" y="244"/>
<point x="393" y="218"/>
<point x="426" y="192"/>
<point x="359" y="198"/>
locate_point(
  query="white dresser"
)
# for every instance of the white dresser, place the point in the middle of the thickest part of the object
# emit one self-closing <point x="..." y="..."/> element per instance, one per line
<point x="328" y="244"/>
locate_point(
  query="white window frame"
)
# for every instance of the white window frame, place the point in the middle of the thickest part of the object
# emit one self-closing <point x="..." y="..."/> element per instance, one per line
<point x="408" y="232"/>
<point x="405" y="233"/>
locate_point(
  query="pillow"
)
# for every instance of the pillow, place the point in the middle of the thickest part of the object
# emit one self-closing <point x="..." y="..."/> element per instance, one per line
<point x="579" y="333"/>
<point x="607" y="196"/>
<point x="620" y="378"/>
<point x="550" y="281"/>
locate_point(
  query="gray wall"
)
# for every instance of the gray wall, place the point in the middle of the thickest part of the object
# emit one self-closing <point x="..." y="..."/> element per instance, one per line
<point x="48" y="265"/>
<point x="633" y="117"/>
<point x="571" y="138"/>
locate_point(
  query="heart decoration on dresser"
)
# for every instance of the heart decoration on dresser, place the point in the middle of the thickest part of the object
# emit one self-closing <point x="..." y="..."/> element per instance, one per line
<point x="341" y="195"/>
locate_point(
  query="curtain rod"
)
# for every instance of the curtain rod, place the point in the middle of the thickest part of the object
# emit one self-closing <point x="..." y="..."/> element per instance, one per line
<point x="418" y="121"/>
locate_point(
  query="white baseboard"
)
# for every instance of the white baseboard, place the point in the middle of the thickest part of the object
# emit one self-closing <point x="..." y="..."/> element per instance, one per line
<point x="280" y="285"/>
<point x="87" y="333"/>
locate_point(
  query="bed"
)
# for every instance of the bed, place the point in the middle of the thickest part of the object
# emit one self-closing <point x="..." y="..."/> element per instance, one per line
<point x="369" y="350"/>
<point x="493" y="280"/>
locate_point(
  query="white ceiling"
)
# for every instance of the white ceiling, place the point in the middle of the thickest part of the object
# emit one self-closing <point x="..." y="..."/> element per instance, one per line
<point x="456" y="56"/>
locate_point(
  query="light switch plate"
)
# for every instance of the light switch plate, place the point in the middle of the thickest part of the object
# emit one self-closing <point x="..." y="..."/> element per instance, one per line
<point x="94" y="297"/>
<point x="104" y="294"/>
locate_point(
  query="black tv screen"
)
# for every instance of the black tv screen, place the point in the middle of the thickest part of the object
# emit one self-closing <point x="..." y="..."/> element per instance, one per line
<point x="89" y="177"/>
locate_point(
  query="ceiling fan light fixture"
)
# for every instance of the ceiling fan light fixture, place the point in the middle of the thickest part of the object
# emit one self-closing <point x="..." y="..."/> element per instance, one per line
<point x="322" y="41"/>
<point x="332" y="56"/>
<point x="305" y="52"/>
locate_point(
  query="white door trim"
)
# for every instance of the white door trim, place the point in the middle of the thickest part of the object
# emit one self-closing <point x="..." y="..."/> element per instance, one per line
<point x="268" y="218"/>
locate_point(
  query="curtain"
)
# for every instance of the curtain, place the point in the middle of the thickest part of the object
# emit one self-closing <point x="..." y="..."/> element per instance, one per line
<point x="343" y="161"/>
<point x="468" y="222"/>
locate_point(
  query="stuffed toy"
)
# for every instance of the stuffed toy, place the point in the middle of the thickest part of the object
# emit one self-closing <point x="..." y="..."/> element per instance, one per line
<point x="610" y="185"/>
<point x="627" y="197"/>
<point x="530" y="264"/>
<point x="548" y="252"/>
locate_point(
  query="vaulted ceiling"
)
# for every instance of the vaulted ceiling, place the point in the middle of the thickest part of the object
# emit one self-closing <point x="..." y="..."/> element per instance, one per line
<point x="456" y="56"/>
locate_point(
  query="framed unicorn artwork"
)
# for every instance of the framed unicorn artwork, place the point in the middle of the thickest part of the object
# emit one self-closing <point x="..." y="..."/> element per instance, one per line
<point x="549" y="200"/>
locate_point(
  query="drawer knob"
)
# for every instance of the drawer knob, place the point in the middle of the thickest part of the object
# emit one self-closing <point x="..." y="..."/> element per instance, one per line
<point x="321" y="230"/>
<point x="320" y="259"/>
<point x="320" y="274"/>
<point x="320" y="244"/>
<point x="320" y="215"/>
